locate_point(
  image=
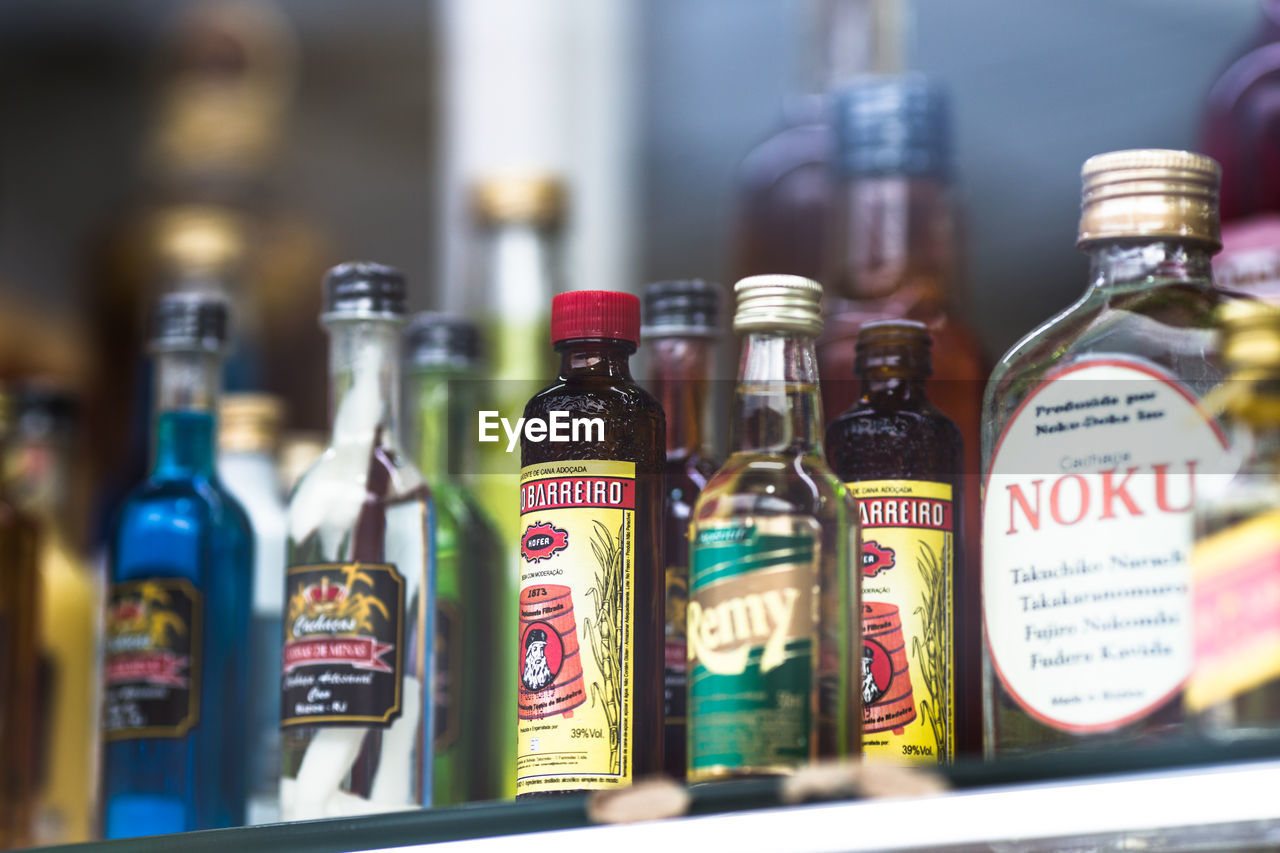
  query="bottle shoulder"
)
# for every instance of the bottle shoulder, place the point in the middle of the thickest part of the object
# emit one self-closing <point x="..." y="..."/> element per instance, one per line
<point x="866" y="443"/>
<point x="773" y="484"/>
<point x="334" y="489"/>
<point x="634" y="423"/>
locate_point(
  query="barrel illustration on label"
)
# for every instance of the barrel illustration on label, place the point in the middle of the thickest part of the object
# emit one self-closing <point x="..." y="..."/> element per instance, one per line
<point x="574" y="697"/>
<point x="886" y="679"/>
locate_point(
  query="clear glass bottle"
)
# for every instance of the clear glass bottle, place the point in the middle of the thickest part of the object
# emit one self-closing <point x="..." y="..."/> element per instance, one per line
<point x="247" y="436"/>
<point x="681" y="328"/>
<point x="589" y="700"/>
<point x="180" y="568"/>
<point x="1094" y="445"/>
<point x="442" y="354"/>
<point x="46" y="429"/>
<point x="775" y="535"/>
<point x="1234" y="688"/>
<point x="356" y="697"/>
<point x="901" y="459"/>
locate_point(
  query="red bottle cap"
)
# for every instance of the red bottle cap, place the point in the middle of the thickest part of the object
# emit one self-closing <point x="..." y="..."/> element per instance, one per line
<point x="595" y="314"/>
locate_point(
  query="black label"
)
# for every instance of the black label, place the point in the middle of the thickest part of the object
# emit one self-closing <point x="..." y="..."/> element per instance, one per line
<point x="151" y="667"/>
<point x="343" y="645"/>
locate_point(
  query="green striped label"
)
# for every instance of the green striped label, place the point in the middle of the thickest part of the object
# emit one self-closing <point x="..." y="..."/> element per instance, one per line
<point x="752" y="639"/>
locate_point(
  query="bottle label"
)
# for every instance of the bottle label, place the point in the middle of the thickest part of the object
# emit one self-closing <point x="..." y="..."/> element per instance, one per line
<point x="1236" y="593"/>
<point x="576" y="668"/>
<point x="343" y="645"/>
<point x="908" y="645"/>
<point x="151" y="664"/>
<point x="752" y="637"/>
<point x="1087" y="542"/>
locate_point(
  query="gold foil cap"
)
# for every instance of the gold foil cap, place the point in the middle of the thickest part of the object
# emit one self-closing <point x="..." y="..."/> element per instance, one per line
<point x="1250" y="336"/>
<point x="526" y="199"/>
<point x="249" y="423"/>
<point x="1150" y="194"/>
<point x="778" y="303"/>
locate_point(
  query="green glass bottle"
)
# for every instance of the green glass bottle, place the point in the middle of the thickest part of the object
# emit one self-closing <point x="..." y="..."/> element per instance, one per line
<point x="474" y="694"/>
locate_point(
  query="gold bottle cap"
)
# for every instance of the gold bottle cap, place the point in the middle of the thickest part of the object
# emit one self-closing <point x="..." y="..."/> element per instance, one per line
<point x="198" y="237"/>
<point x="778" y="303"/>
<point x="1250" y="336"/>
<point x="249" y="423"/>
<point x="1150" y="194"/>
<point x="528" y="199"/>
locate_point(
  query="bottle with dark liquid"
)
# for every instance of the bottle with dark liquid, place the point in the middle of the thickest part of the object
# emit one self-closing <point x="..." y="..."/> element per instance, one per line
<point x="892" y="253"/>
<point x="681" y="326"/>
<point x="901" y="459"/>
<point x="356" y="696"/>
<point x="589" y="702"/>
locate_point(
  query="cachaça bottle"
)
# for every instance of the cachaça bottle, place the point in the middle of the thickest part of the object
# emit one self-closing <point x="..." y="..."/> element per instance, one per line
<point x="681" y="328"/>
<point x="902" y="461"/>
<point x="19" y="657"/>
<point x="1234" y="688"/>
<point x="442" y="355"/>
<point x="249" y="427"/>
<point x="45" y="432"/>
<point x="589" y="698"/>
<point x="355" y="702"/>
<point x="1094" y="447"/>
<point x="774" y="594"/>
<point x="178" y="605"/>
<point x="517" y="269"/>
<point x="892" y="253"/>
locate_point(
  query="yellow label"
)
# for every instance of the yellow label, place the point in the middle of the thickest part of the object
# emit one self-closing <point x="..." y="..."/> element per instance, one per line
<point x="908" y="655"/>
<point x="1235" y="588"/>
<point x="576" y="670"/>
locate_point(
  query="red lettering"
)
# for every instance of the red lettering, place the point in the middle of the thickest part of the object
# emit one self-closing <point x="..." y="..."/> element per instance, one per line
<point x="1017" y="498"/>
<point x="1112" y="490"/>
<point x="1055" y="500"/>
<point x="1162" y="488"/>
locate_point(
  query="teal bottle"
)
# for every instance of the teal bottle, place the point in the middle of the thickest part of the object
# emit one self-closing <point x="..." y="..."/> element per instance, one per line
<point x="177" y="625"/>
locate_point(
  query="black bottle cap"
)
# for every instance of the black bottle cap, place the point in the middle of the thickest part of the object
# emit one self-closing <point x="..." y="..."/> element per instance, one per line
<point x="189" y="321"/>
<point x="893" y="126"/>
<point x="42" y="409"/>
<point x="434" y="339"/>
<point x="678" y="308"/>
<point x="365" y="289"/>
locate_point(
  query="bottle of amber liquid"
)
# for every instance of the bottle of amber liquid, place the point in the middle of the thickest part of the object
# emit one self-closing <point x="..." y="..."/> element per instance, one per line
<point x="589" y="702"/>
<point x="892" y="251"/>
<point x="1234" y="688"/>
<point x="1095" y="448"/>
<point x="773" y="593"/>
<point x="681" y="326"/>
<point x="901" y="459"/>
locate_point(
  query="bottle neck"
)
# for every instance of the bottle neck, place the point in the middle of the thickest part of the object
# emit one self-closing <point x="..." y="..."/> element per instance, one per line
<point x="187" y="387"/>
<point x="1132" y="265"/>
<point x="776" y="404"/>
<point x="679" y="369"/>
<point x="893" y="373"/>
<point x="364" y="376"/>
<point x="519" y="265"/>
<point x="440" y="403"/>
<point x="595" y="357"/>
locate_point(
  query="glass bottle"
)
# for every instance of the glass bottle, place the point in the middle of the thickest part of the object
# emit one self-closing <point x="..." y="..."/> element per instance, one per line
<point x="355" y="703"/>
<point x="681" y="327"/>
<point x="892" y="253"/>
<point x="46" y="427"/>
<point x="19" y="658"/>
<point x="442" y="355"/>
<point x="1234" y="688"/>
<point x="589" y="699"/>
<point x="247" y="438"/>
<point x="1094" y="444"/>
<point x="180" y="568"/>
<point x="901" y="459"/>
<point x="518" y="230"/>
<point x="773" y="630"/>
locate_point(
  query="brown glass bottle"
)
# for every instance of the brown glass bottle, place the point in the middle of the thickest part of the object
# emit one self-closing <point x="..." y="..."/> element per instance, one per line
<point x="902" y="458"/>
<point x="681" y="328"/>
<point x="589" y="697"/>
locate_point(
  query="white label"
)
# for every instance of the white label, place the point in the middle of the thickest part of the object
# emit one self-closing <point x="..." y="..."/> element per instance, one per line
<point x="1086" y="542"/>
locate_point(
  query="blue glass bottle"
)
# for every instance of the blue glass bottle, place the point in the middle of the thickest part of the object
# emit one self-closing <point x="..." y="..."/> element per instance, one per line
<point x="177" y="624"/>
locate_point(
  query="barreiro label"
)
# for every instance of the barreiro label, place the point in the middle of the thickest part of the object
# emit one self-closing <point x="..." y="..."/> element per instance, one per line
<point x="343" y="645"/>
<point x="1087" y="543"/>
<point x="574" y="698"/>
<point x="752" y="638"/>
<point x="908" y="647"/>
<point x="152" y="659"/>
<point x="1236" y="590"/>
